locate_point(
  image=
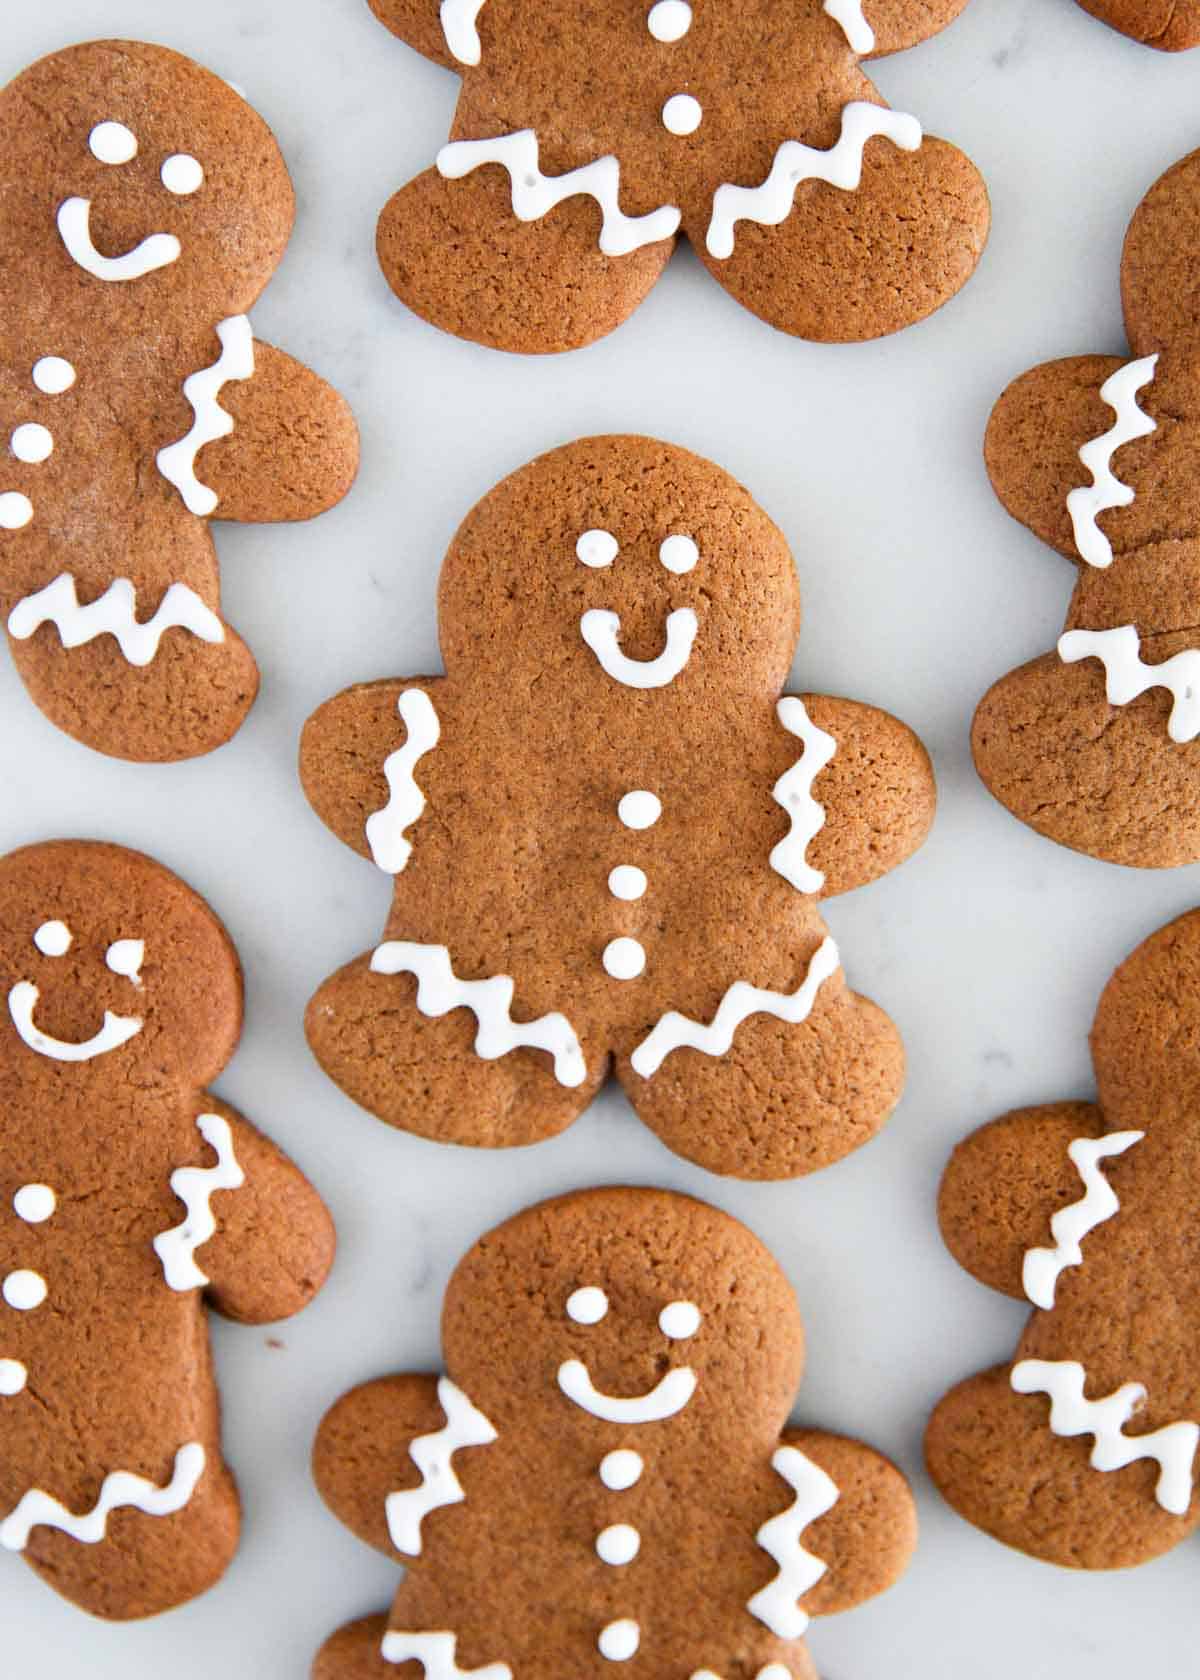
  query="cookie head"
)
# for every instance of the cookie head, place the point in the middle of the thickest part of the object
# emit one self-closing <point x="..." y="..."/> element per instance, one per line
<point x="612" y="572"/>
<point x="113" y="972"/>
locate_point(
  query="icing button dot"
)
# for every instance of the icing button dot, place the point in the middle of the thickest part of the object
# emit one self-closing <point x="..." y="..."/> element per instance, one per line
<point x="597" y="548"/>
<point x="639" y="809"/>
<point x="619" y="1640"/>
<point x="682" y="114"/>
<point x="618" y="1545"/>
<point x="32" y="443"/>
<point x="621" y="1469"/>
<point x="53" y="375"/>
<point x="24" y="1290"/>
<point x="34" y="1203"/>
<point x="624" y="959"/>
<point x="627" y="881"/>
<point x="182" y="174"/>
<point x="669" y="20"/>
<point x="678" y="553"/>
<point x="588" y="1305"/>
<point x="112" y="142"/>
<point x="53" y="939"/>
<point x="16" y="510"/>
<point x="13" y="1376"/>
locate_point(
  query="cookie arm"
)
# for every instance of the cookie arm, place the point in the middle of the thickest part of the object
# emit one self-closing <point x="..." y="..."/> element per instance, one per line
<point x="1003" y="1184"/>
<point x="293" y="451"/>
<point x="868" y="1537"/>
<point x="361" y="1452"/>
<point x="898" y="24"/>
<point x="418" y="23"/>
<point x="877" y="791"/>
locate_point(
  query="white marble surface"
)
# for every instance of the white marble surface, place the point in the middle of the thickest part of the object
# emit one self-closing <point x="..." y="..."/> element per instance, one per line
<point x="990" y="948"/>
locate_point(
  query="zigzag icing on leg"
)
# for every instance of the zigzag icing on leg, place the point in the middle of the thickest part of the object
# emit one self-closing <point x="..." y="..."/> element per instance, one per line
<point x="113" y="614"/>
<point x="1126" y="676"/>
<point x="120" y="1489"/>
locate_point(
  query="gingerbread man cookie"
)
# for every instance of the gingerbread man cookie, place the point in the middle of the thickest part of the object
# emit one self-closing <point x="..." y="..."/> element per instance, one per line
<point x="1171" y="25"/>
<point x="1095" y="745"/>
<point x="610" y="835"/>
<point x="1083" y="1449"/>
<point x="609" y="1444"/>
<point x="130" y="1199"/>
<point x="145" y="208"/>
<point x="588" y="138"/>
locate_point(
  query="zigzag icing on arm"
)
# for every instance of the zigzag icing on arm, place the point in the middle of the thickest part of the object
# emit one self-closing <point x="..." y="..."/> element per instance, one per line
<point x="535" y="194"/>
<point x="113" y="614"/>
<point x="1106" y="490"/>
<point x="1126" y="676"/>
<point x="439" y="990"/>
<point x="121" y="1489"/>
<point x="1043" y="1266"/>
<point x="841" y="166"/>
<point x="678" y="1032"/>
<point x="1173" y="1447"/>
<point x="385" y="828"/>
<point x="849" y="13"/>
<point x="435" y="1653"/>
<point x="194" y="1186"/>
<point x="776" y="1605"/>
<point x="793" y="791"/>
<point x="460" y="20"/>
<point x="465" y="1426"/>
<point x="177" y="462"/>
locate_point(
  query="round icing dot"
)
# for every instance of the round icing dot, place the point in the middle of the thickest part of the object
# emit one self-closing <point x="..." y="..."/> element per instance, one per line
<point x="125" y="956"/>
<point x="112" y="142"/>
<point x="678" y="554"/>
<point x="679" y="1320"/>
<point x="597" y="548"/>
<point x="182" y="174"/>
<point x="34" y="1203"/>
<point x="621" y="1468"/>
<point x="627" y="881"/>
<point x="31" y="443"/>
<point x="669" y="20"/>
<point x="618" y="1544"/>
<point x="53" y="939"/>
<point x="24" y="1290"/>
<point x="624" y="959"/>
<point x="15" y="510"/>
<point x="639" y="809"/>
<point x="13" y="1376"/>
<point x="53" y="375"/>
<point x="619" y="1640"/>
<point x="681" y="114"/>
<point x="587" y="1305"/>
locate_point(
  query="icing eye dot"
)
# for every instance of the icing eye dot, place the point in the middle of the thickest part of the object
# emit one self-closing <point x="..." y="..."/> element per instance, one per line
<point x="597" y="548"/>
<point x="125" y="956"/>
<point x="112" y="142"/>
<point x="16" y="511"/>
<point x="53" y="375"/>
<point x="34" y="1203"/>
<point x="678" y="554"/>
<point x="13" y="1376"/>
<point x="682" y="114"/>
<point x="669" y="20"/>
<point x="679" y="1320"/>
<point x="182" y="174"/>
<point x="588" y="1305"/>
<point x="31" y="443"/>
<point x="639" y="809"/>
<point x="53" y="939"/>
<point x="621" y="1469"/>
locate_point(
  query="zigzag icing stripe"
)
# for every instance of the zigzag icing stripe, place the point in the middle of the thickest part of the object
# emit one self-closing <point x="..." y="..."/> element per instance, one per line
<point x="1126" y="675"/>
<point x="1106" y="490"/>
<point x="841" y="166"/>
<point x="1043" y="1266"/>
<point x="385" y="829"/>
<point x="113" y="614"/>
<point x="465" y="1426"/>
<point x="535" y="194"/>
<point x="1173" y="1447"/>
<point x="776" y="1605"/>
<point x="435" y="1653"/>
<point x="793" y="791"/>
<point x="459" y="25"/>
<point x="439" y="990"/>
<point x="194" y="1186"/>
<point x="120" y="1489"/>
<point x="849" y="13"/>
<point x="177" y="462"/>
<point x="678" y="1032"/>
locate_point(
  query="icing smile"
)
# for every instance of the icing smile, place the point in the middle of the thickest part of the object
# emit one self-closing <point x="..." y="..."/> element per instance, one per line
<point x="117" y="1029"/>
<point x="667" y="1398"/>
<point x="157" y="250"/>
<point x="602" y="633"/>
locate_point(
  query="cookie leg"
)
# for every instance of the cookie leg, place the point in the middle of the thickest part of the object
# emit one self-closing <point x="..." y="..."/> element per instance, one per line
<point x="846" y="266"/>
<point x="456" y="255"/>
<point x="422" y="1073"/>
<point x="354" y="1652"/>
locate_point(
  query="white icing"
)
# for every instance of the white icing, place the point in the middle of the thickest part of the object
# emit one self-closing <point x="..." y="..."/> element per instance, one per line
<point x="669" y="20"/>
<point x="773" y="1671"/>
<point x="1126" y="676"/>
<point x="597" y="548"/>
<point x="439" y="990"/>
<point x="24" y="1290"/>
<point x="793" y="791"/>
<point x="117" y="1029"/>
<point x="621" y="1469"/>
<point x="627" y="882"/>
<point x="676" y="1032"/>
<point x="602" y="632"/>
<point x="13" y="1377"/>
<point x="53" y="375"/>
<point x="177" y="461"/>
<point x="624" y="959"/>
<point x="435" y="1653"/>
<point x="34" y="1203"/>
<point x="678" y="553"/>
<point x="618" y="1544"/>
<point x="157" y="250"/>
<point x="460" y="20"/>
<point x="194" y="1186"/>
<point x="182" y="174"/>
<point x="1042" y="1267"/>
<point x="682" y="114"/>
<point x="587" y="1305"/>
<point x="534" y="194"/>
<point x="433" y="1456"/>
<point x="125" y="957"/>
<point x="1106" y="490"/>
<point x="841" y="166"/>
<point x="32" y="443"/>
<point x="668" y="1396"/>
<point x="53" y="939"/>
<point x="121" y="1489"/>
<point x="16" y="510"/>
<point x="680" y="1319"/>
<point x="639" y="809"/>
<point x="776" y="1605"/>
<point x="114" y="614"/>
<point x="619" y="1640"/>
<point x="112" y="142"/>
<point x="1173" y="1447"/>
<point x="385" y="828"/>
<point x="858" y="32"/>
